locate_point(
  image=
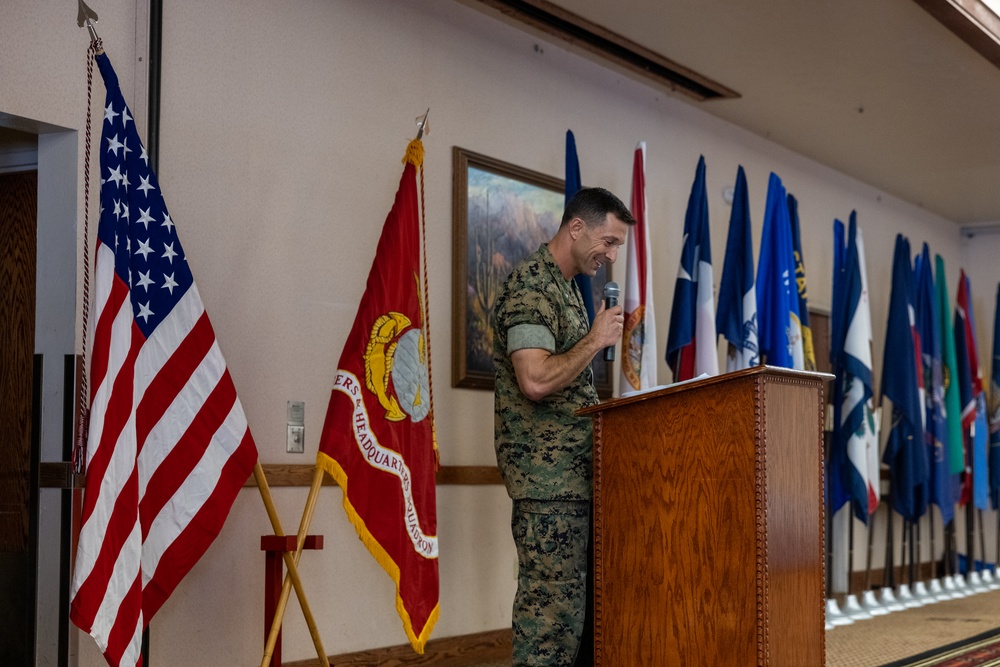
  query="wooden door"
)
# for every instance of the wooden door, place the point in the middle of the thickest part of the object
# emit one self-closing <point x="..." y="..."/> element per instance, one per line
<point x="18" y="206"/>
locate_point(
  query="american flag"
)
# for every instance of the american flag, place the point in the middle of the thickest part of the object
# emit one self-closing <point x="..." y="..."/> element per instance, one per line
<point x="168" y="444"/>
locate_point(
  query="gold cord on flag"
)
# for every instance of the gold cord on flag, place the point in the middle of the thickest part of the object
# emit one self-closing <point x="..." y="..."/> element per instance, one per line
<point x="416" y="150"/>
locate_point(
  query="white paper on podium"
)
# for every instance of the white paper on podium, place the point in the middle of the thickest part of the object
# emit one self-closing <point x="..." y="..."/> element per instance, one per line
<point x="638" y="392"/>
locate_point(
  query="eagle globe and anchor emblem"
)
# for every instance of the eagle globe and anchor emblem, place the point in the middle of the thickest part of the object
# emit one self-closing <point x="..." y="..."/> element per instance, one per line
<point x="396" y="350"/>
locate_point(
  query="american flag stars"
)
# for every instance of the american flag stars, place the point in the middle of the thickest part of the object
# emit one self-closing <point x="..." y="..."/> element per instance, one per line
<point x="135" y="222"/>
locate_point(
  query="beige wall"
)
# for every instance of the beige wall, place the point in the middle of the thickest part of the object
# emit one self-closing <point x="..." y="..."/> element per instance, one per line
<point x="282" y="130"/>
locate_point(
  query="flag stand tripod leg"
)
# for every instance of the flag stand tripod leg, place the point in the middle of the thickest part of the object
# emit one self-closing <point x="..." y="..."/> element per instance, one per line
<point x="292" y="577"/>
<point x="291" y="563"/>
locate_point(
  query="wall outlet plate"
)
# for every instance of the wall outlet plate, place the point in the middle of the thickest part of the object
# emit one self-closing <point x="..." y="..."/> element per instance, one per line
<point x="296" y="439"/>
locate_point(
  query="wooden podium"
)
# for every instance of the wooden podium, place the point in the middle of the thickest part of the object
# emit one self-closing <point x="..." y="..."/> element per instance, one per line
<point x="708" y="523"/>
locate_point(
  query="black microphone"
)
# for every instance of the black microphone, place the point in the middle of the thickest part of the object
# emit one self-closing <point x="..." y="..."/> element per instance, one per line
<point x="611" y="292"/>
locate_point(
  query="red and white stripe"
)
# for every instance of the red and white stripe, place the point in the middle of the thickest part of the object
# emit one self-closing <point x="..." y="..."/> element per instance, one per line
<point x="169" y="449"/>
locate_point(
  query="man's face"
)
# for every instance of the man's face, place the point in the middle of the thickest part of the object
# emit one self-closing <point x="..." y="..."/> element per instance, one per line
<point x="594" y="247"/>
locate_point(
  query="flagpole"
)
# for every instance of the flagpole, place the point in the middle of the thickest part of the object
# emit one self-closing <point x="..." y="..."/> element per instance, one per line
<point x="969" y="514"/>
<point x="982" y="537"/>
<point x="291" y="562"/>
<point x="906" y="551"/>
<point x="930" y="514"/>
<point x="870" y="528"/>
<point x="890" y="548"/>
<point x="850" y="542"/>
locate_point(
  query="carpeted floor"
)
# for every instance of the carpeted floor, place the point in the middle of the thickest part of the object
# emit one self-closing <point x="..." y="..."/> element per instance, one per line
<point x="901" y="637"/>
<point x="887" y="639"/>
<point x="891" y="640"/>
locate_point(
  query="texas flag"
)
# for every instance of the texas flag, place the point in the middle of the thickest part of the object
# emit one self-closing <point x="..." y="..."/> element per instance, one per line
<point x="691" y="342"/>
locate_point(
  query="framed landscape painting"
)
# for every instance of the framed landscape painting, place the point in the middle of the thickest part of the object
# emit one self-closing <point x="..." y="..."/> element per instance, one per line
<point x="501" y="214"/>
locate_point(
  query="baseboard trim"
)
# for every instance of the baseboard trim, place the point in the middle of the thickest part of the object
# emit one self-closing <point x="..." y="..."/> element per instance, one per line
<point x="460" y="651"/>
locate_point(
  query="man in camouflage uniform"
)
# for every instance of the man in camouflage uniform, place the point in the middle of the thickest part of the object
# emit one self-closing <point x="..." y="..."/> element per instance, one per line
<point x="542" y="350"/>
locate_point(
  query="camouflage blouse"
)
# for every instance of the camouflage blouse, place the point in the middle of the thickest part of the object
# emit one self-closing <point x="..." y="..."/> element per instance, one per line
<point x="544" y="451"/>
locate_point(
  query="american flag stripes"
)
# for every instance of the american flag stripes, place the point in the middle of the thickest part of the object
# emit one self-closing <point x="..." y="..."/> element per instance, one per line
<point x="168" y="445"/>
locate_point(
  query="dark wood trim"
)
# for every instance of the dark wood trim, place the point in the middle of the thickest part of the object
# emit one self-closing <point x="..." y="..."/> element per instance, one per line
<point x="971" y="21"/>
<point x="461" y="651"/>
<point x="466" y="475"/>
<point x="610" y="47"/>
<point x="301" y="475"/>
<point x="59" y="475"/>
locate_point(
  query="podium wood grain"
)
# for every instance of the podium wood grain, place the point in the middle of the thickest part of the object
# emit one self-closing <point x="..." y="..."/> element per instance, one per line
<point x="708" y="523"/>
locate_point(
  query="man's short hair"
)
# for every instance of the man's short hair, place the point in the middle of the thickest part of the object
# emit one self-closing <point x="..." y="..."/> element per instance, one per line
<point x="592" y="205"/>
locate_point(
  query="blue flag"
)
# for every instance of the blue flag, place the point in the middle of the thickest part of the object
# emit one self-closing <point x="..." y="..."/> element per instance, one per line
<point x="837" y="324"/>
<point x="940" y="479"/>
<point x="842" y="487"/>
<point x="779" y="332"/>
<point x="808" y="351"/>
<point x="900" y="383"/>
<point x="736" y="317"/>
<point x="852" y="473"/>
<point x="994" y="455"/>
<point x="574" y="185"/>
<point x="691" y="340"/>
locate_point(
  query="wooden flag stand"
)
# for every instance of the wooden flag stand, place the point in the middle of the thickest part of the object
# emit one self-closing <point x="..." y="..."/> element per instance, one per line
<point x="291" y="561"/>
<point x="274" y="570"/>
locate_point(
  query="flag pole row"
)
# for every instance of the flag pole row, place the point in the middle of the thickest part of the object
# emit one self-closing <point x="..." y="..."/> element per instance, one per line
<point x="937" y="426"/>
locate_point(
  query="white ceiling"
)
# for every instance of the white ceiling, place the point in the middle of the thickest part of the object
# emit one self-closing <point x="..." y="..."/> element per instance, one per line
<point x="877" y="89"/>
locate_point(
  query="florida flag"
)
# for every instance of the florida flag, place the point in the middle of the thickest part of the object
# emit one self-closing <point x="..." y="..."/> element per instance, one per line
<point x="168" y="444"/>
<point x="691" y="342"/>
<point x="639" y="335"/>
<point x="378" y="438"/>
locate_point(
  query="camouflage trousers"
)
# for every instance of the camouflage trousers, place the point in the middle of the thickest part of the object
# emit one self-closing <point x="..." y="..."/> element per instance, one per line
<point x="552" y="537"/>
